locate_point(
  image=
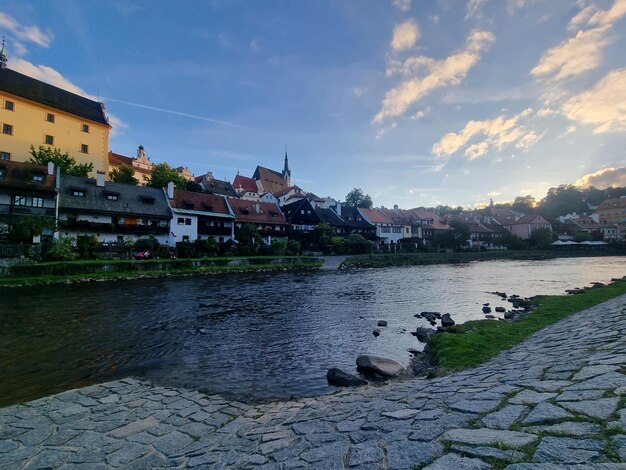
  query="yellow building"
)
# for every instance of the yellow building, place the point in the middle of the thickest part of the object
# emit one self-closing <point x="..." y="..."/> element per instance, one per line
<point x="39" y="114"/>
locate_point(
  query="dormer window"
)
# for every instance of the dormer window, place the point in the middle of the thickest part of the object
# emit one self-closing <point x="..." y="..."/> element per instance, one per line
<point x="245" y="211"/>
<point x="77" y="192"/>
<point x="37" y="178"/>
<point x="207" y="207"/>
<point x="111" y="196"/>
<point x="147" y="199"/>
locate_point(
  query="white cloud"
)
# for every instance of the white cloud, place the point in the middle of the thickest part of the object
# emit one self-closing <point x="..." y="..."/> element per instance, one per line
<point x="434" y="19"/>
<point x="403" y="5"/>
<point x="582" y="17"/>
<point x="514" y="5"/>
<point x="405" y="35"/>
<point x="494" y="133"/>
<point x="425" y="75"/>
<point x="474" y="7"/>
<point x="494" y="194"/>
<point x="610" y="16"/>
<point x="422" y="113"/>
<point x="568" y="131"/>
<point x="25" y="33"/>
<point x="604" y="178"/>
<point x="603" y="106"/>
<point x="545" y="112"/>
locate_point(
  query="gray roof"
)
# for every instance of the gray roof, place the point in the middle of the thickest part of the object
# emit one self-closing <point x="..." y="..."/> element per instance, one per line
<point x="131" y="200"/>
<point x="35" y="90"/>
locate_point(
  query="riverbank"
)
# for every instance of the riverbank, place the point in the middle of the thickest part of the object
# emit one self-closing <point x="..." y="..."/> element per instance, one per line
<point x="416" y="259"/>
<point x="556" y="400"/>
<point x="69" y="272"/>
<point x="472" y="343"/>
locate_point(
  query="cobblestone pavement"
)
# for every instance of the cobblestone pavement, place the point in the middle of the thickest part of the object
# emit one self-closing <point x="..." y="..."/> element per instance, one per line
<point x="555" y="401"/>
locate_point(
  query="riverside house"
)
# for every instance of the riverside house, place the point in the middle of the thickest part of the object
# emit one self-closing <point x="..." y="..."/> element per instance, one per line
<point x="523" y="226"/>
<point x="26" y="189"/>
<point x="267" y="217"/>
<point x="388" y="231"/>
<point x="199" y="215"/>
<point x="113" y="212"/>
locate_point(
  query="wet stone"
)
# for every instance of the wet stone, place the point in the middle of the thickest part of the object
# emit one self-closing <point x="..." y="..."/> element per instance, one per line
<point x="602" y="408"/>
<point x="567" y="450"/>
<point x="530" y="397"/>
<point x="571" y="428"/>
<point x="475" y="406"/>
<point x="504" y="418"/>
<point x="483" y="436"/>
<point x="365" y="453"/>
<point x="489" y="453"/>
<point x="403" y="455"/>
<point x="545" y="412"/>
<point x="454" y="461"/>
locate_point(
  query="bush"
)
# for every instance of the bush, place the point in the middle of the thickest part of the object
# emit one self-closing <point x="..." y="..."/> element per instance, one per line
<point x="88" y="246"/>
<point x="185" y="250"/>
<point x="278" y="247"/>
<point x="338" y="244"/>
<point x="293" y="247"/>
<point x="62" y="249"/>
<point x="356" y="244"/>
<point x="206" y="247"/>
<point x="144" y="244"/>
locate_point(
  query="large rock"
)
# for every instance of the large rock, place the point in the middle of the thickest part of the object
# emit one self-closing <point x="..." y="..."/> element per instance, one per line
<point x="446" y="320"/>
<point x="500" y="309"/>
<point x="486" y="309"/>
<point x="342" y="379"/>
<point x="379" y="365"/>
<point x="423" y="334"/>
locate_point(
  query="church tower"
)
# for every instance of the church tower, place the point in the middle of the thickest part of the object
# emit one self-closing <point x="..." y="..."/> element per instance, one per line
<point x="286" y="170"/>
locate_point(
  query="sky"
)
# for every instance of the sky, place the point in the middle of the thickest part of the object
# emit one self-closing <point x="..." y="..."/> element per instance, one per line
<point x="416" y="102"/>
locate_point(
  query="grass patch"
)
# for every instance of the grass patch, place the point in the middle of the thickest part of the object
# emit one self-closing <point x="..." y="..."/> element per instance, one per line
<point x="475" y="342"/>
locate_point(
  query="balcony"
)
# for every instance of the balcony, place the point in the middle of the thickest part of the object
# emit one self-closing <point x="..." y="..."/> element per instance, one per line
<point x="220" y="231"/>
<point x="25" y="210"/>
<point x="122" y="229"/>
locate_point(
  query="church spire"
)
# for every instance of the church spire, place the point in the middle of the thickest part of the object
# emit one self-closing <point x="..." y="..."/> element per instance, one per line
<point x="286" y="170"/>
<point x="3" y="56"/>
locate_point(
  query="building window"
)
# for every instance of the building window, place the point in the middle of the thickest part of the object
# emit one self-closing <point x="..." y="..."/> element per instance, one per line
<point x="2" y="172"/>
<point x="49" y="140"/>
<point x="184" y="221"/>
<point x="8" y="105"/>
<point x="7" y="129"/>
<point x="112" y="197"/>
<point x="50" y="117"/>
<point x="38" y="178"/>
<point x="84" y="148"/>
<point x="5" y="156"/>
<point x="37" y="202"/>
<point x="85" y="128"/>
<point x="78" y="192"/>
<point x="185" y="238"/>
<point x="20" y="200"/>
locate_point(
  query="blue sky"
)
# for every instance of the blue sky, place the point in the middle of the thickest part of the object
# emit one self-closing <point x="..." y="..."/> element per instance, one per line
<point x="416" y="102"/>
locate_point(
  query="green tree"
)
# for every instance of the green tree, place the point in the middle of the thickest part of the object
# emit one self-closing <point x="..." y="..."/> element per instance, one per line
<point x="63" y="161"/>
<point x="124" y="174"/>
<point x="456" y="237"/>
<point x="358" y="198"/>
<point x="162" y="174"/>
<point x="524" y="204"/>
<point x="249" y="240"/>
<point x="29" y="226"/>
<point x="62" y="249"/>
<point x="193" y="187"/>
<point x="321" y="236"/>
<point x="540" y="238"/>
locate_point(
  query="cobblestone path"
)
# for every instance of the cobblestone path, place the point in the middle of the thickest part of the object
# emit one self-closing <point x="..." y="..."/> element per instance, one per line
<point x="555" y="401"/>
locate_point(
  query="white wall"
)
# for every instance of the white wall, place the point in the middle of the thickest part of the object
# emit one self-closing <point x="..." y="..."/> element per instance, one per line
<point x="178" y="231"/>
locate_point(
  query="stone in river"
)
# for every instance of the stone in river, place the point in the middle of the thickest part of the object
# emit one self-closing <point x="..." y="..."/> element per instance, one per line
<point x="500" y="309"/>
<point x="382" y="323"/>
<point x="342" y="379"/>
<point x="446" y="320"/>
<point x="486" y="309"/>
<point x="379" y="365"/>
<point x="376" y="332"/>
<point x="423" y="334"/>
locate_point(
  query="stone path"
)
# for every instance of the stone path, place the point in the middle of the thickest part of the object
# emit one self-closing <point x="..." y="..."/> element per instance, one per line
<point x="553" y="402"/>
<point x="331" y="263"/>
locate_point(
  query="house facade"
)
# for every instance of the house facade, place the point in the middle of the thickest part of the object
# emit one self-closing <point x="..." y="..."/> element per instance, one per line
<point x="246" y="188"/>
<point x="36" y="113"/>
<point x="113" y="212"/>
<point x="212" y="185"/>
<point x="141" y="164"/>
<point x="524" y="226"/>
<point x="27" y="189"/>
<point x="267" y="217"/>
<point x="199" y="215"/>
<point x="388" y="231"/>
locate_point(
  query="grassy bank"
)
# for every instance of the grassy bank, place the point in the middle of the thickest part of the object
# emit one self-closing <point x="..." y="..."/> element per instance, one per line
<point x="416" y="259"/>
<point x="475" y="342"/>
<point x="89" y="271"/>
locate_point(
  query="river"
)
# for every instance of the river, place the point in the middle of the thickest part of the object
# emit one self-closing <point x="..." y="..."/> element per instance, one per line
<point x="252" y="336"/>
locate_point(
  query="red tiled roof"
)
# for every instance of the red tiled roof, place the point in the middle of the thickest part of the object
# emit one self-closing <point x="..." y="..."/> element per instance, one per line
<point x="375" y="216"/>
<point x="282" y="192"/>
<point x="199" y="202"/>
<point x="245" y="183"/>
<point x="524" y="220"/>
<point x="612" y="203"/>
<point x="20" y="175"/>
<point x="272" y="180"/>
<point x="267" y="213"/>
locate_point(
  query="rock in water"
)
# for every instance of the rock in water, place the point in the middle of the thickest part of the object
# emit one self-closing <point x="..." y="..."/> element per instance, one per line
<point x="446" y="320"/>
<point x="379" y="365"/>
<point x="382" y="323"/>
<point x="376" y="332"/>
<point x="486" y="309"/>
<point x="423" y="334"/>
<point x="500" y="309"/>
<point x="343" y="379"/>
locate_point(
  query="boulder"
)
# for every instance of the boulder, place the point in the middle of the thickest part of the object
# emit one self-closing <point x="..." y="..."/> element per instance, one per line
<point x="379" y="365"/>
<point x="510" y="315"/>
<point x="340" y="378"/>
<point x="500" y="309"/>
<point x="382" y="323"/>
<point x="423" y="334"/>
<point x="490" y="316"/>
<point x="376" y="332"/>
<point x="446" y="320"/>
<point x="486" y="309"/>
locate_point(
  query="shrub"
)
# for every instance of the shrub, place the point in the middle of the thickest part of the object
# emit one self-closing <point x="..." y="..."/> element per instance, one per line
<point x="356" y="244"/>
<point x="278" y="247"/>
<point x="293" y="247"/>
<point x="144" y="244"/>
<point x="62" y="249"/>
<point x="338" y="244"/>
<point x="185" y="250"/>
<point x="87" y="246"/>
<point x="206" y="247"/>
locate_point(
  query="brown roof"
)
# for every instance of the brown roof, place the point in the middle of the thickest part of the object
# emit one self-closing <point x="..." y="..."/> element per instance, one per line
<point x="256" y="212"/>
<point x="437" y="222"/>
<point x="245" y="183"/>
<point x="282" y="192"/>
<point x="375" y="216"/>
<point x="272" y="181"/>
<point x="116" y="159"/>
<point x="612" y="203"/>
<point x="202" y="202"/>
<point x="20" y="176"/>
<point x="524" y="220"/>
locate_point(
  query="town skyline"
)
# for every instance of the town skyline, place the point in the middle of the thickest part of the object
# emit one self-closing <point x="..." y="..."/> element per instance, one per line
<point x="418" y="105"/>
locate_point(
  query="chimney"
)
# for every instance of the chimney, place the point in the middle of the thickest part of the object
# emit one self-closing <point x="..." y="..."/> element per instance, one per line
<point x="256" y="206"/>
<point x="395" y="207"/>
<point x="50" y="168"/>
<point x="170" y="190"/>
<point x="100" y="179"/>
<point x="338" y="208"/>
<point x="209" y="175"/>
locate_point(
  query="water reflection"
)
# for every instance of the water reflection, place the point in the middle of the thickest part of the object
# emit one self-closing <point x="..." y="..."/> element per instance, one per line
<point x="253" y="336"/>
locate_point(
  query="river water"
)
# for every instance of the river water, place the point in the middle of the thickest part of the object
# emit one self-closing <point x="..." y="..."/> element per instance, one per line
<point x="251" y="336"/>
